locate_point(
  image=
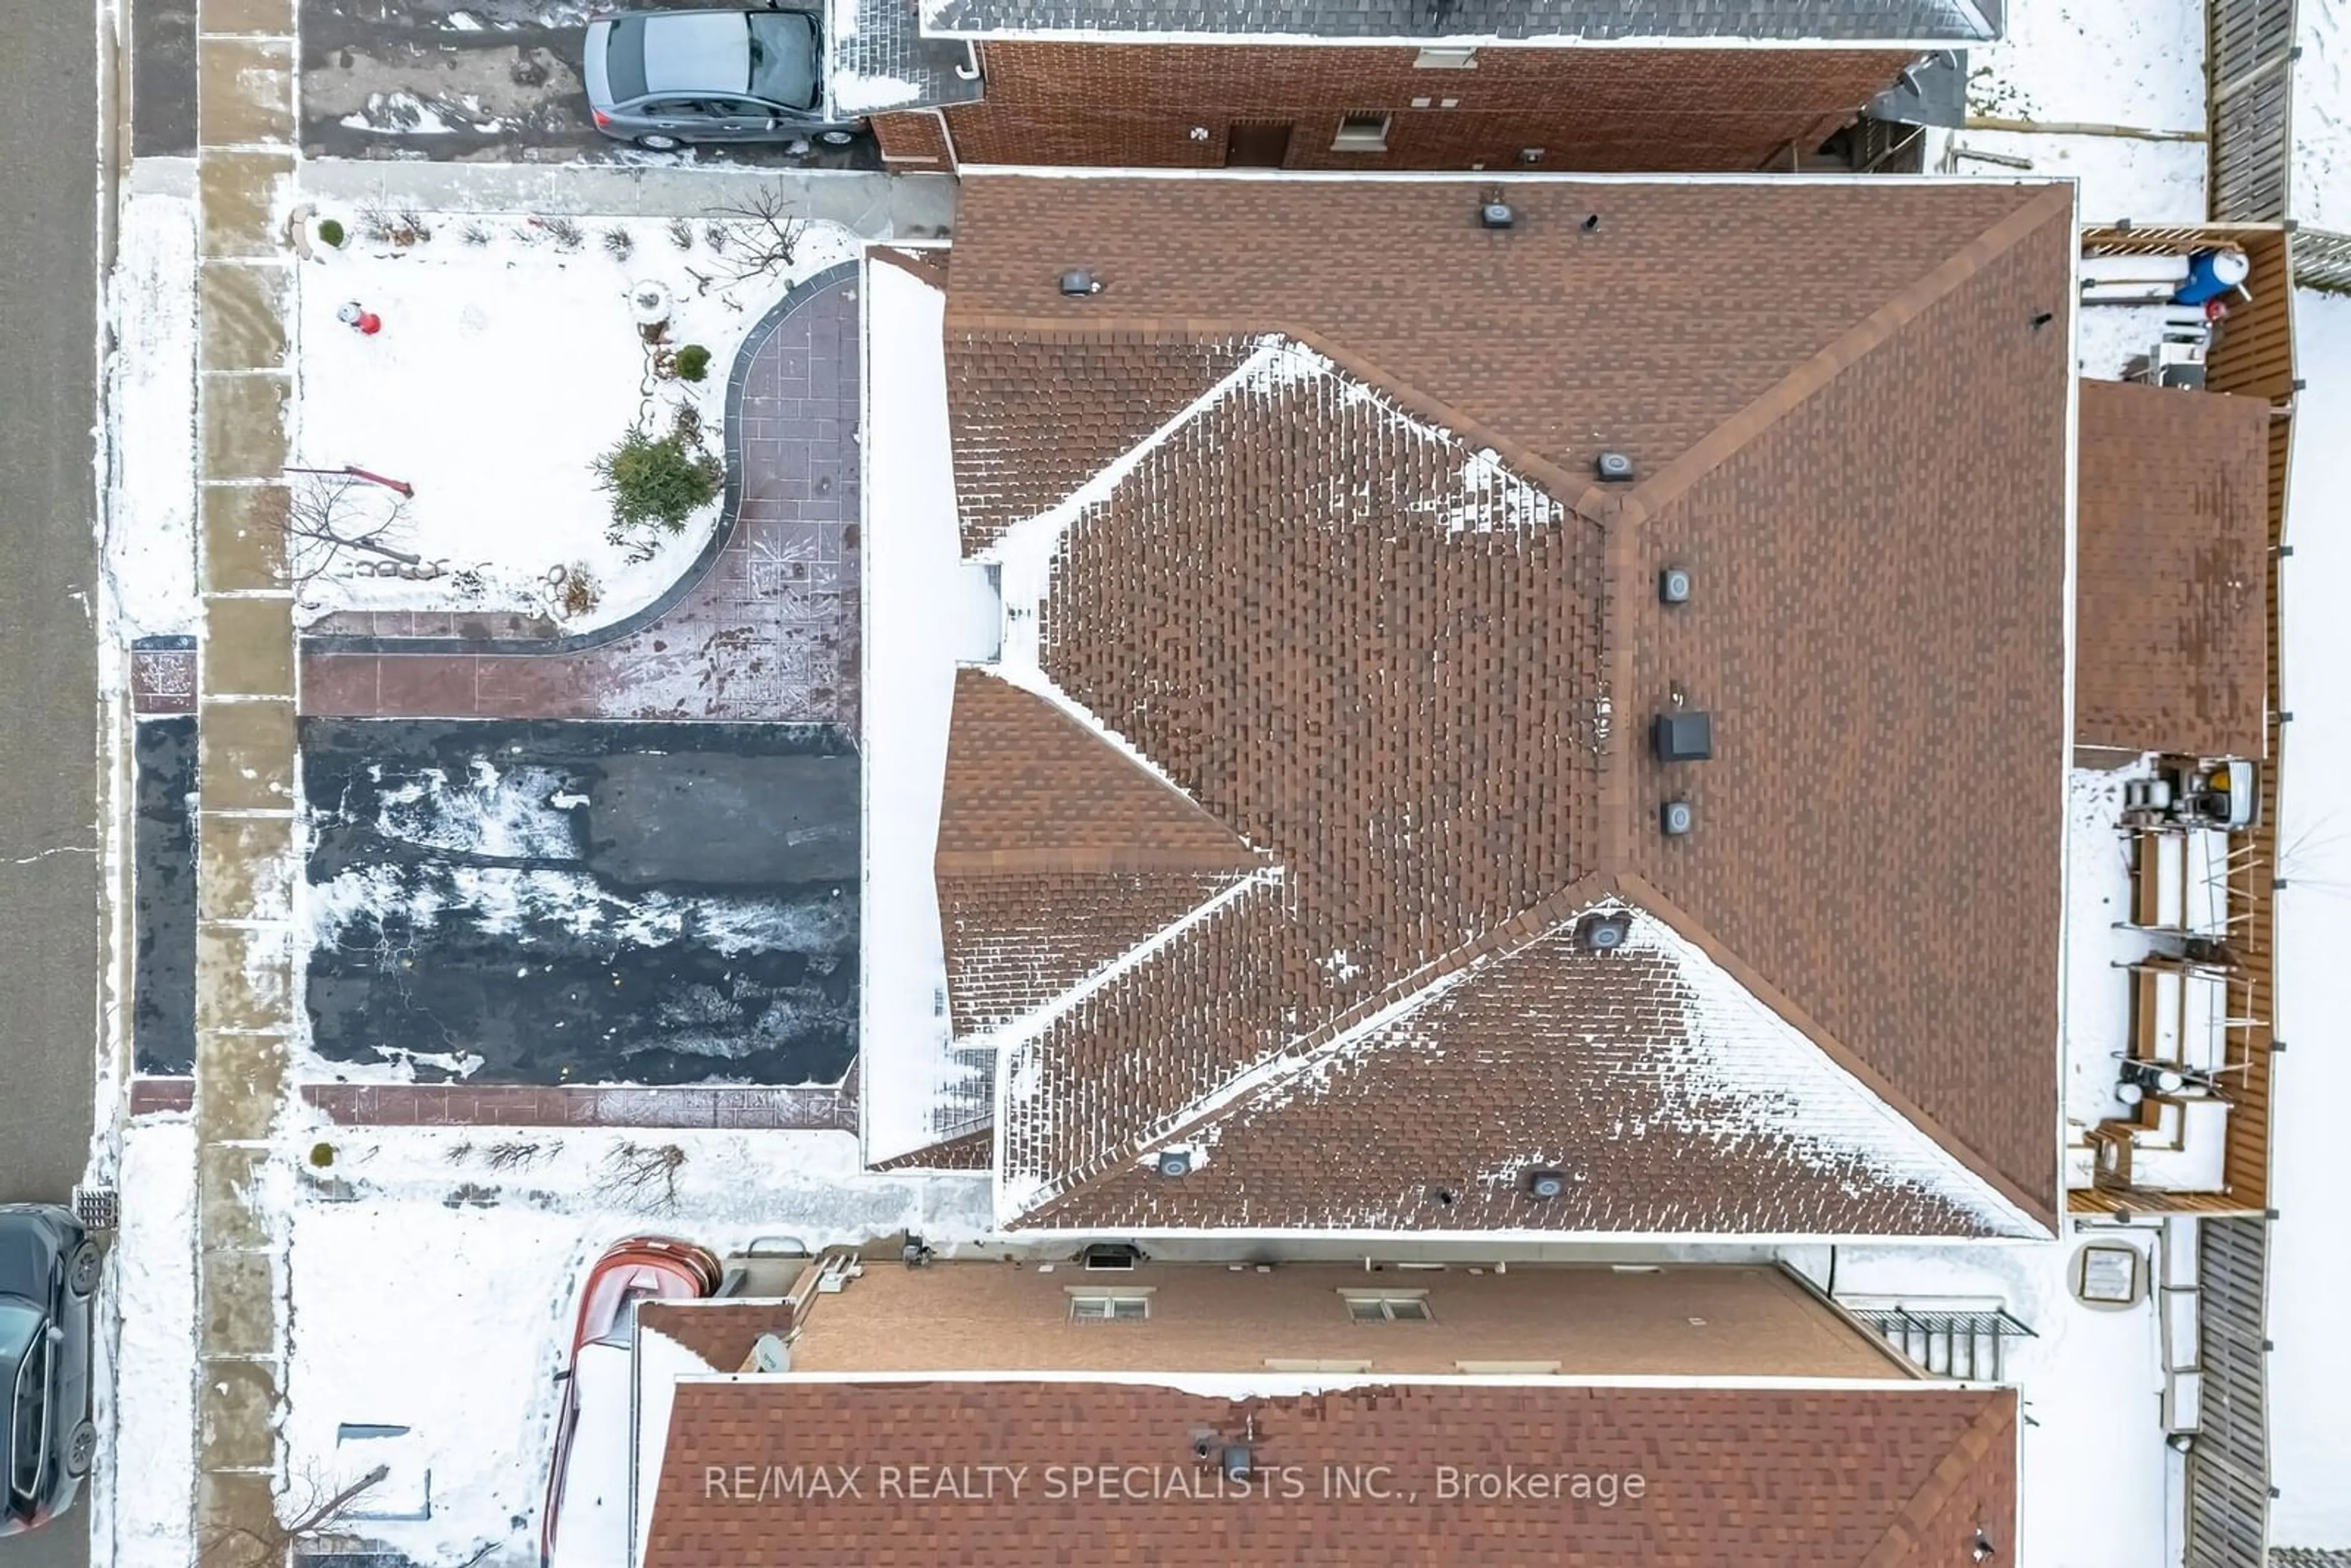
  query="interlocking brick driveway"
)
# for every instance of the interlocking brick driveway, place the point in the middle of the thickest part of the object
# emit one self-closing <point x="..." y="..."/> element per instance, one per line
<point x="763" y="628"/>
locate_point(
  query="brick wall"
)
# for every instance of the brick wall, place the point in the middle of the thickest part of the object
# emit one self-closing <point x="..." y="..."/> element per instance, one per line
<point x="1651" y="110"/>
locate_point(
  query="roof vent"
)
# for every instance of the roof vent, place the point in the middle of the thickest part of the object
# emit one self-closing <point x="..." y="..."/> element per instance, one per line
<point x="1077" y="283"/>
<point x="1612" y="467"/>
<point x="1545" y="1185"/>
<point x="1495" y="215"/>
<point x="1683" y="736"/>
<point x="1673" y="586"/>
<point x="1675" y="818"/>
<point x="1604" y="932"/>
<point x="1235" y="1462"/>
<point x="1174" y="1162"/>
<point x="1117" y="1255"/>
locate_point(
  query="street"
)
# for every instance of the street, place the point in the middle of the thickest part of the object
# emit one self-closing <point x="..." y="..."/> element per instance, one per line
<point x="49" y="864"/>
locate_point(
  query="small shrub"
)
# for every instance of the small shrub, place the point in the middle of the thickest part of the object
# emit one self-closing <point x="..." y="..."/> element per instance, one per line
<point x="322" y="1155"/>
<point x="681" y="234"/>
<point x="475" y="233"/>
<point x="566" y="234"/>
<point x="715" y="237"/>
<point x="618" y="244"/>
<point x="580" y="593"/>
<point x="411" y="229"/>
<point x="376" y="225"/>
<point x="692" y="364"/>
<point x="330" y="233"/>
<point x="661" y="480"/>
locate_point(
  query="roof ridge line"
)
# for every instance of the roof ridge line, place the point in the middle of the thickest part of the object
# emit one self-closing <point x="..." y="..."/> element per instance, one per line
<point x="1677" y="477"/>
<point x="1337" y="1030"/>
<point x="1958" y="1462"/>
<point x="1641" y="891"/>
<point x="1529" y="464"/>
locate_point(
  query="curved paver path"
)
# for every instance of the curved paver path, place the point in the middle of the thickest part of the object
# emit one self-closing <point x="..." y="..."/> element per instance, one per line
<point x="764" y="627"/>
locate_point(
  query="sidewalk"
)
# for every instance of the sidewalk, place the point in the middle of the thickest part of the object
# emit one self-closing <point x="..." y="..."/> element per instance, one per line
<point x="873" y="205"/>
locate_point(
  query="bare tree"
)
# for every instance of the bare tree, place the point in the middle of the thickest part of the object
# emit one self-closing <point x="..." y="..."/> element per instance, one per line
<point x="242" y="1546"/>
<point x="327" y="514"/>
<point x="765" y="236"/>
<point x="643" y="1175"/>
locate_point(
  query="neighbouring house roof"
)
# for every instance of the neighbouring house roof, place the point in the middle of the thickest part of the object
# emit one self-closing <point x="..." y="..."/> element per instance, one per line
<point x="722" y="1333"/>
<point x="1774" y="21"/>
<point x="2173" y="641"/>
<point x="880" y="60"/>
<point x="1820" y="1478"/>
<point x="1320" y="554"/>
<point x="1708" y="1320"/>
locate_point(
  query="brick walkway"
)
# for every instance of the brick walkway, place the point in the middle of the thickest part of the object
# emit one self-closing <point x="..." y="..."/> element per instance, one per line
<point x="764" y="628"/>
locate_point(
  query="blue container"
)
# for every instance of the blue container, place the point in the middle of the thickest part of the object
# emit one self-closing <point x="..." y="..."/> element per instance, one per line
<point x="2212" y="274"/>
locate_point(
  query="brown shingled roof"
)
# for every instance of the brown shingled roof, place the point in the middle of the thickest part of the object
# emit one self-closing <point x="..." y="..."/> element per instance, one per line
<point x="1363" y="610"/>
<point x="1729" y="1478"/>
<point x="2172" y="647"/>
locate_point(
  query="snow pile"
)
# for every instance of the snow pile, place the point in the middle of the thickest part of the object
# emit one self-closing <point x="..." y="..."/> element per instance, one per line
<point x="150" y="527"/>
<point x="510" y="357"/>
<point x="147" y="1474"/>
<point x="855" y="93"/>
<point x="2094" y="68"/>
<point x="913" y="558"/>
<point x="435" y="1275"/>
<point x="2098" y="899"/>
<point x="2310" y="1259"/>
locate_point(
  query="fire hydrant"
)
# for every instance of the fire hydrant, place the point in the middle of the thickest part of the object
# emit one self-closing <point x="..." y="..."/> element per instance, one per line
<point x="360" y="320"/>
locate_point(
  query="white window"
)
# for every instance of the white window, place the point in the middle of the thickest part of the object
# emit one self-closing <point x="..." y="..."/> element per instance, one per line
<point x="1362" y="130"/>
<point x="1109" y="1306"/>
<point x="1387" y="1306"/>
<point x="1445" y="57"/>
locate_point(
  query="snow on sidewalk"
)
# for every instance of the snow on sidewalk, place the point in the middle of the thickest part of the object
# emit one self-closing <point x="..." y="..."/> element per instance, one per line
<point x="508" y="359"/>
<point x="149" y="532"/>
<point x="148" y="1475"/>
<point x="436" y="1274"/>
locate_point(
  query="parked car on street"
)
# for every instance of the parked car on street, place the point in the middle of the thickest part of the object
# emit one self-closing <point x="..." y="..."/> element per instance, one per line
<point x="48" y="1272"/>
<point x="666" y="79"/>
<point x="586" y="1520"/>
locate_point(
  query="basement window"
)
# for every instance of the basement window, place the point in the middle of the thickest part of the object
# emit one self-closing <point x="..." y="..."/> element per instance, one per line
<point x="1362" y="130"/>
<point x="1109" y="1306"/>
<point x="1445" y="57"/>
<point x="1387" y="1306"/>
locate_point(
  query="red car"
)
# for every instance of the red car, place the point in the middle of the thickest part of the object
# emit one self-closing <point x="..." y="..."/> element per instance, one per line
<point x="595" y="1478"/>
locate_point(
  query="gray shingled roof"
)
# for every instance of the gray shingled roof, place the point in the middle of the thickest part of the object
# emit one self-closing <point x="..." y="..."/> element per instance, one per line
<point x="880" y="59"/>
<point x="1830" y="21"/>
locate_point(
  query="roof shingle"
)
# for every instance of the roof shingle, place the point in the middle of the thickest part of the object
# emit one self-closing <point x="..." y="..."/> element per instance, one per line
<point x="2173" y="555"/>
<point x="1360" y="605"/>
<point x="1756" y="1478"/>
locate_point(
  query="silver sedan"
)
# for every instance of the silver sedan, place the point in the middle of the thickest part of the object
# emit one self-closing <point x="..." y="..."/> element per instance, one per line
<point x="666" y="79"/>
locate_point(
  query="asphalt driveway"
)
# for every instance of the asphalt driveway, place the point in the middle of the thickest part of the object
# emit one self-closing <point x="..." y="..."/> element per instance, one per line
<point x="583" y="902"/>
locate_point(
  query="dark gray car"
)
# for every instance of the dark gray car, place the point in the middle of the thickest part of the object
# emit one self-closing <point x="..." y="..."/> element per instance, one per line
<point x="48" y="1272"/>
<point x="667" y="78"/>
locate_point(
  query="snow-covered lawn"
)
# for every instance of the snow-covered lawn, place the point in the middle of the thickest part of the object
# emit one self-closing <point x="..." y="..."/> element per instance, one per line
<point x="511" y="357"/>
<point x="2321" y="115"/>
<point x="2137" y="66"/>
<point x="2310" y="1376"/>
<point x="436" y="1274"/>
